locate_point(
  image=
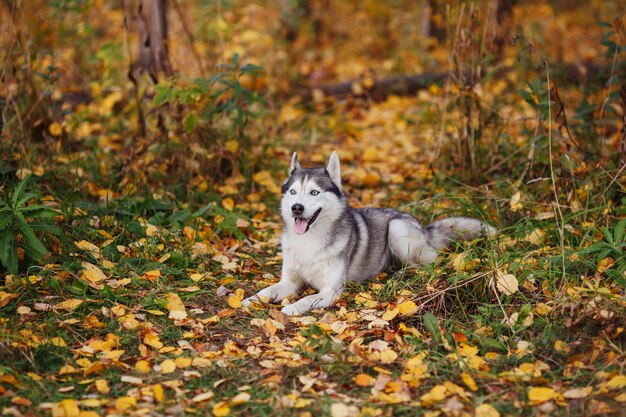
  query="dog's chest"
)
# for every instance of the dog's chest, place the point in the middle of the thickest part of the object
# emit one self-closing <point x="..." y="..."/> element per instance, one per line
<point x="310" y="260"/>
<point x="301" y="251"/>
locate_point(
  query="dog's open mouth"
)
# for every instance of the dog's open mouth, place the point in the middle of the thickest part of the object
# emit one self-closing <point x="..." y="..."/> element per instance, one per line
<point x="302" y="225"/>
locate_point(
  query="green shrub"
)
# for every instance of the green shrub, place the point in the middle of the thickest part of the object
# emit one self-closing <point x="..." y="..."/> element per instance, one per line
<point x="19" y="224"/>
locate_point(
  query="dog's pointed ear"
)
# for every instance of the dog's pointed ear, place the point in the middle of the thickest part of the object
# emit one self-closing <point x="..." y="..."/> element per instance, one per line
<point x="294" y="163"/>
<point x="334" y="169"/>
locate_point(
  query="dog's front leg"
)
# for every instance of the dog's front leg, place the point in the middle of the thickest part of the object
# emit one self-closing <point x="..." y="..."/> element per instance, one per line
<point x="322" y="299"/>
<point x="275" y="293"/>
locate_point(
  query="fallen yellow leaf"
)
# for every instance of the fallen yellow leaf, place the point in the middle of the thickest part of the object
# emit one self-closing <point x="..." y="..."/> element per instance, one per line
<point x="407" y="308"/>
<point x="197" y="277"/>
<point x="370" y="154"/>
<point x="232" y="146"/>
<point x="515" y="203"/>
<point x="506" y="283"/>
<point x="467" y="350"/>
<point x="436" y="394"/>
<point x="183" y="362"/>
<point x="158" y="393"/>
<point x="388" y="356"/>
<point x="338" y="326"/>
<point x="241" y="398"/>
<point x="129" y="322"/>
<point x="124" y="403"/>
<point x="535" y="237"/>
<point x="561" y="346"/>
<point x="174" y="302"/>
<point x="25" y="402"/>
<point x="390" y="314"/>
<point x="289" y="113"/>
<point x="343" y="410"/>
<point x="142" y="366"/>
<point x="155" y="312"/>
<point x="414" y="370"/>
<point x="462" y="263"/>
<point x="266" y="179"/>
<point x="21" y="310"/>
<point x="617" y="382"/>
<point x="574" y="393"/>
<point x="234" y="300"/>
<point x="189" y="233"/>
<point x="5" y="297"/>
<point x="102" y="386"/>
<point x="69" y="305"/>
<point x="89" y="247"/>
<point x="70" y="408"/>
<point x="168" y="366"/>
<point x="55" y="129"/>
<point x="365" y="299"/>
<point x="371" y="179"/>
<point x="469" y="381"/>
<point x="486" y="410"/>
<point x="152" y="339"/>
<point x="605" y="264"/>
<point x="175" y="306"/>
<point x="221" y="409"/>
<point x="228" y="203"/>
<point x="203" y="397"/>
<point x="363" y="380"/>
<point x="109" y="101"/>
<point x="57" y="341"/>
<point x="542" y="309"/>
<point x="92" y="273"/>
<point x="538" y="395"/>
<point x="152" y="275"/>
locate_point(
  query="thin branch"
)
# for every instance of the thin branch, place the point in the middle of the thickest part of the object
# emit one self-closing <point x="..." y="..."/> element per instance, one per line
<point x="192" y="45"/>
<point x="622" y="144"/>
<point x="561" y="118"/>
<point x="557" y="208"/>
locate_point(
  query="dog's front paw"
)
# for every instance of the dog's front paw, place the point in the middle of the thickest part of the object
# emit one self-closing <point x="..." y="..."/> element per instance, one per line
<point x="257" y="300"/>
<point x="292" y="310"/>
<point x="247" y="301"/>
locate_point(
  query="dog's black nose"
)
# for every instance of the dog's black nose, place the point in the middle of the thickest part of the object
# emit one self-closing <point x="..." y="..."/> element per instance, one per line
<point x="297" y="209"/>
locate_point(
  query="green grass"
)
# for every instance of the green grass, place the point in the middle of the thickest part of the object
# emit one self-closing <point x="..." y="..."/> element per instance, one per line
<point x="454" y="303"/>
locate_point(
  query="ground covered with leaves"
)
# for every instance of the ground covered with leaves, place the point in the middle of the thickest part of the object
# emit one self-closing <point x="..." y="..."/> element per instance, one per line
<point x="136" y="217"/>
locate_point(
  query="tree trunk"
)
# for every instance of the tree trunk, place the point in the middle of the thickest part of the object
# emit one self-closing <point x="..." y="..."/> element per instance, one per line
<point x="432" y="22"/>
<point x="502" y="24"/>
<point x="152" y="55"/>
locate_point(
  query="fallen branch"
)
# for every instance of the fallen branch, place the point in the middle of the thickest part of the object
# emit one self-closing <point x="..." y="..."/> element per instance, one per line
<point x="380" y="89"/>
<point x="403" y="85"/>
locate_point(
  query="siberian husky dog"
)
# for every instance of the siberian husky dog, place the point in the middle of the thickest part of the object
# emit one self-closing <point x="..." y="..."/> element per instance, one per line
<point x="327" y="243"/>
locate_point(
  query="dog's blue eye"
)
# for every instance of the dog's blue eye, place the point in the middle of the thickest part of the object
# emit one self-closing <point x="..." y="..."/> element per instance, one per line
<point x="315" y="192"/>
<point x="292" y="192"/>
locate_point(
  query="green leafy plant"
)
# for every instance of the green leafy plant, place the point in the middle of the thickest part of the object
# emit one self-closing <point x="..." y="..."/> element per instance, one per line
<point x="613" y="245"/>
<point x="19" y="224"/>
<point x="227" y="96"/>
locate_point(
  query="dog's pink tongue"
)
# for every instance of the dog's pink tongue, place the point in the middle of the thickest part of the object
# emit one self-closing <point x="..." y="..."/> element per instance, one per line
<point x="300" y="226"/>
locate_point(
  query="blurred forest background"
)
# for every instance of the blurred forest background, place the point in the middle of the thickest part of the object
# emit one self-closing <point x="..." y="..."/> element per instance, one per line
<point x="143" y="145"/>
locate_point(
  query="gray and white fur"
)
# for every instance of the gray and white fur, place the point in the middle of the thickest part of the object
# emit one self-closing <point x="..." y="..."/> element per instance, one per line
<point x="327" y="243"/>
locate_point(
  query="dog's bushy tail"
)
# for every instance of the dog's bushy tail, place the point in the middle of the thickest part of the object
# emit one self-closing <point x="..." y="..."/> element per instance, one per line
<point x="442" y="233"/>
